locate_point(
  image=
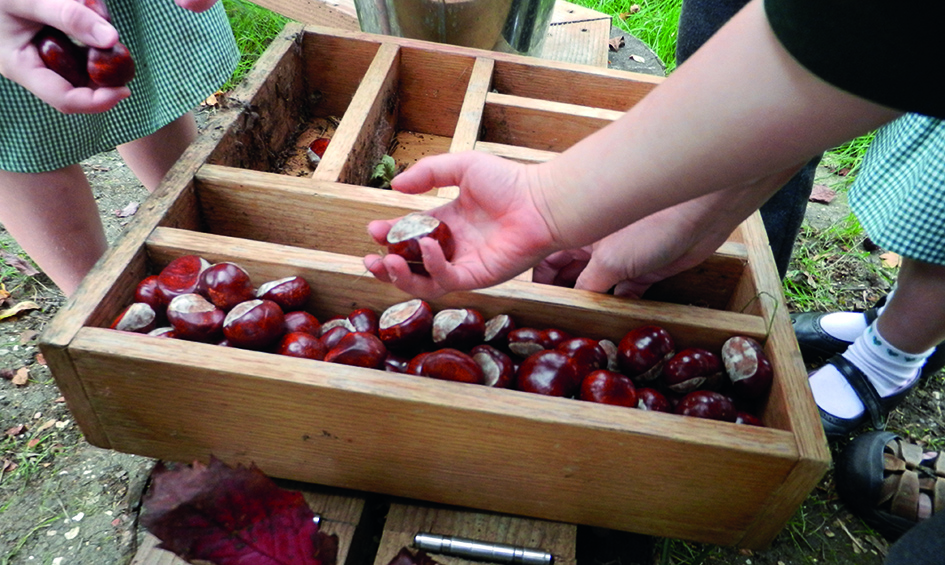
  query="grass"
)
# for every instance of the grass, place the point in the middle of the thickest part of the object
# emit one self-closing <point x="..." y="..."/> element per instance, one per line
<point x="254" y="28"/>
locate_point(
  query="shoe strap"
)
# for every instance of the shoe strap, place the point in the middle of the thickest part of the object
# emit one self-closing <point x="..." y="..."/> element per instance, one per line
<point x="863" y="388"/>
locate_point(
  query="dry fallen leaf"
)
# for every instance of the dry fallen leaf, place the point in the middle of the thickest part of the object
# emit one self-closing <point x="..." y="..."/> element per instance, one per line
<point x="15" y="430"/>
<point x="33" y="442"/>
<point x="616" y="43"/>
<point x="891" y="260"/>
<point x="637" y="58"/>
<point x="232" y="515"/>
<point x="18" y="308"/>
<point x="21" y="377"/>
<point x="40" y="359"/>
<point x="822" y="194"/>
<point x="128" y="210"/>
<point x="7" y="374"/>
<point x="19" y="264"/>
<point x="28" y="336"/>
<point x="46" y="425"/>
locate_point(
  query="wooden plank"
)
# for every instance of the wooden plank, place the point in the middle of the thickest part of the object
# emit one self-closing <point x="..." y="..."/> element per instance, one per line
<point x="334" y="67"/>
<point x="577" y="35"/>
<point x="276" y="84"/>
<point x="182" y="401"/>
<point x="433" y="89"/>
<point x="365" y="131"/>
<point x="522" y="154"/>
<point x="296" y="211"/>
<point x="710" y="284"/>
<point x="405" y="520"/>
<point x="600" y="88"/>
<point x="340" y="516"/>
<point x="540" y="124"/>
<point x="335" y="14"/>
<point x="790" y="404"/>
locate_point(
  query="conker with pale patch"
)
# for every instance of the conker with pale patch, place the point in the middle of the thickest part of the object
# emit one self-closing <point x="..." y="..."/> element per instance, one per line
<point x="254" y="324"/>
<point x="404" y="239"/>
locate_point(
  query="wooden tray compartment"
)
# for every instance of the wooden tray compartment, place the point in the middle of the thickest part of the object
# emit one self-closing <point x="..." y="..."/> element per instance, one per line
<point x="498" y="450"/>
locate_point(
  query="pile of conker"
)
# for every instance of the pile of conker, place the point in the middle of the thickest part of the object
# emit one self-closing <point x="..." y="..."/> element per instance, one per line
<point x="194" y="300"/>
<point x="82" y="65"/>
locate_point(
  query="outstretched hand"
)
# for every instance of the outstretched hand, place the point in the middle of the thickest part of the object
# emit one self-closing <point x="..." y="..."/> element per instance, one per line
<point x="495" y="220"/>
<point x="20" y="61"/>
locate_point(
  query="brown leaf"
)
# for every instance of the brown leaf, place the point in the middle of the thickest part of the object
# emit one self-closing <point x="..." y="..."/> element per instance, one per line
<point x="128" y="210"/>
<point x="33" y="442"/>
<point x="7" y="465"/>
<point x="19" y="308"/>
<point x="20" y="265"/>
<point x="820" y="193"/>
<point x="7" y="374"/>
<point x="21" y="377"/>
<point x="46" y="425"/>
<point x="40" y="359"/>
<point x="60" y="400"/>
<point x="15" y="430"/>
<point x="406" y="557"/>
<point x="616" y="43"/>
<point x="28" y="336"/>
<point x="891" y="260"/>
<point x="4" y="295"/>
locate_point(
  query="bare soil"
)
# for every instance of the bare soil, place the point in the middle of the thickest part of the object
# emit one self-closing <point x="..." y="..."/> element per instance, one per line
<point x="65" y="501"/>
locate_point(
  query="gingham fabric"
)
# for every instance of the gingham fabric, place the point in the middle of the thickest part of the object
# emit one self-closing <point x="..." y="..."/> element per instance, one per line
<point x="899" y="194"/>
<point x="180" y="59"/>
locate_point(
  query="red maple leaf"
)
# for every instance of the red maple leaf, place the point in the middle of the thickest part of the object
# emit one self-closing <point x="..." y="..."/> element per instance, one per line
<point x="406" y="557"/>
<point x="228" y="515"/>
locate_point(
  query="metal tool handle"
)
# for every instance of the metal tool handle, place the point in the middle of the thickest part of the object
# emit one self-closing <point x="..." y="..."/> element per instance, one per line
<point x="480" y="550"/>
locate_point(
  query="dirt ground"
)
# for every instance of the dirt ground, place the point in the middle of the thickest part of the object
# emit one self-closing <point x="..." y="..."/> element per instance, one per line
<point x="63" y="501"/>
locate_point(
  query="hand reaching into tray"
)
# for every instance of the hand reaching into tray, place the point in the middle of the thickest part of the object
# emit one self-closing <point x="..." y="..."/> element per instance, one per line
<point x="495" y="221"/>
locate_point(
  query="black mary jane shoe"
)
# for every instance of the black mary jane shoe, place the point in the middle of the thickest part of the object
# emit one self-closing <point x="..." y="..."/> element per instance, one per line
<point x="815" y="343"/>
<point x="877" y="407"/>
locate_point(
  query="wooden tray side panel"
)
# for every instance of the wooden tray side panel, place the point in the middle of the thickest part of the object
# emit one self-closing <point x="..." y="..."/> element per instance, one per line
<point x="599" y="88"/>
<point x="432" y="440"/>
<point x="272" y="100"/>
<point x="432" y="90"/>
<point x="333" y="66"/>
<point x="294" y="211"/>
<point x="547" y="126"/>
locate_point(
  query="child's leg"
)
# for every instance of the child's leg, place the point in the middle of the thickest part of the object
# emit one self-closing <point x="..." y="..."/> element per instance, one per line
<point x="150" y="157"/>
<point x="54" y="218"/>
<point x="914" y="317"/>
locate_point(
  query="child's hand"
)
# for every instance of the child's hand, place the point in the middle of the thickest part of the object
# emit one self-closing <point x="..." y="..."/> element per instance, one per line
<point x="496" y="223"/>
<point x="20" y="61"/>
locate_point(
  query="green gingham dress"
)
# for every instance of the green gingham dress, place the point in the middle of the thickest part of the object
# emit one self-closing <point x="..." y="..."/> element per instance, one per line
<point x="180" y="58"/>
<point x="899" y="194"/>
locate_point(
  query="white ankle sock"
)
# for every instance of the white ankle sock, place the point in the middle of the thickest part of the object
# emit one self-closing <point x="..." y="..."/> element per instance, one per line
<point x="848" y="325"/>
<point x="889" y="370"/>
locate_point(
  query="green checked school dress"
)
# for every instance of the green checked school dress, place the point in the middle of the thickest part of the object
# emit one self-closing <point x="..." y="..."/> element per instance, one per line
<point x="180" y="58"/>
<point x="899" y="195"/>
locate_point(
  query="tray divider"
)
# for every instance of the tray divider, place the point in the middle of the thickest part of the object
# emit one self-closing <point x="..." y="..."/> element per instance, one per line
<point x="470" y="116"/>
<point x="365" y="131"/>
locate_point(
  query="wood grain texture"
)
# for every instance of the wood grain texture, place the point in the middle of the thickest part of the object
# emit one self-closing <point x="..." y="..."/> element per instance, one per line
<point x="540" y="124"/>
<point x="365" y="131"/>
<point x="405" y="520"/>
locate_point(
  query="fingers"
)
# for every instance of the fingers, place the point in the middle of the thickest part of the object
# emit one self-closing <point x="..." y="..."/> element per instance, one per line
<point x="435" y="172"/>
<point x="196" y="5"/>
<point x="73" y="18"/>
<point x="58" y="93"/>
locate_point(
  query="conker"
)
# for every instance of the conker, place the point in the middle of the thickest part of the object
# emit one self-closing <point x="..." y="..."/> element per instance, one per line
<point x="498" y="370"/>
<point x="548" y="372"/>
<point x="497" y="331"/>
<point x="451" y="365"/>
<point x="358" y="349"/>
<point x="404" y="239"/>
<point x="406" y="325"/>
<point x="110" y="67"/>
<point x="302" y="321"/>
<point x="364" y="320"/>
<point x="181" y="276"/>
<point x="608" y="387"/>
<point x="643" y="351"/>
<point x="290" y="293"/>
<point x="139" y="317"/>
<point x="226" y="285"/>
<point x="301" y="344"/>
<point x="692" y="368"/>
<point x="707" y="404"/>
<point x="194" y="318"/>
<point x="653" y="400"/>
<point x="254" y="324"/>
<point x="586" y="353"/>
<point x="747" y="367"/>
<point x="458" y="328"/>
<point x="62" y="55"/>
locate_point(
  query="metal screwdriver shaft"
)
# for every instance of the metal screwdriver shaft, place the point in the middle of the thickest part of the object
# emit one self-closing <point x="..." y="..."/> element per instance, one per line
<point x="481" y="551"/>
